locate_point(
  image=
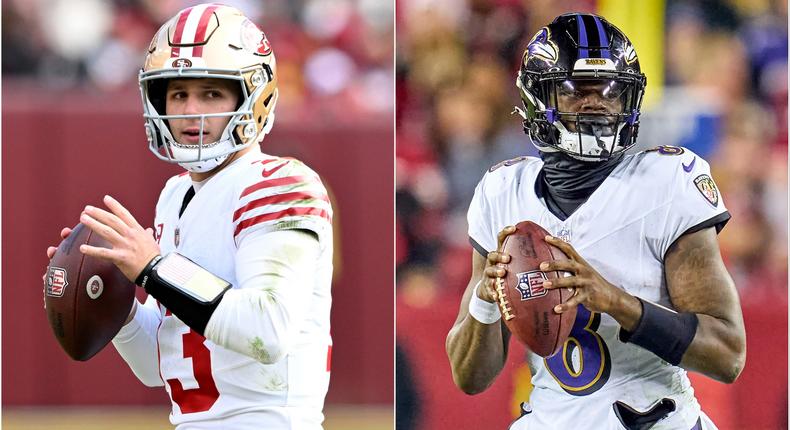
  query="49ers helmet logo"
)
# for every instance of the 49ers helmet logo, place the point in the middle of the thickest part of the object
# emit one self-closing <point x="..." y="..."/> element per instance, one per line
<point x="265" y="48"/>
<point x="254" y="40"/>
<point x="182" y="62"/>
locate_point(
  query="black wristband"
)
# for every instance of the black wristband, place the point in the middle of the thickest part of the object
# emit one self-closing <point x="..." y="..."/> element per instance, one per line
<point x="141" y="278"/>
<point x="189" y="291"/>
<point x="663" y="332"/>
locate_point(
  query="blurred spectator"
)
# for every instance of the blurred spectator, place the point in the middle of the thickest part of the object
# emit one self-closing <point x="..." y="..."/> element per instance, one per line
<point x="334" y="56"/>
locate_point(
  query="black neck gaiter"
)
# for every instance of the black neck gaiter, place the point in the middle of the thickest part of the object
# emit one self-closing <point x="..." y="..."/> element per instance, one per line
<point x="570" y="182"/>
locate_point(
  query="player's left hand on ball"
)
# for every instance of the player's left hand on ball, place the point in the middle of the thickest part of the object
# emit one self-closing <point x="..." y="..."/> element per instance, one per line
<point x="592" y="290"/>
<point x="132" y="245"/>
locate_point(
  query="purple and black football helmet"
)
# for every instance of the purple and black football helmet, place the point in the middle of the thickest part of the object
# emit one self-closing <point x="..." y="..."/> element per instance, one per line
<point x="574" y="55"/>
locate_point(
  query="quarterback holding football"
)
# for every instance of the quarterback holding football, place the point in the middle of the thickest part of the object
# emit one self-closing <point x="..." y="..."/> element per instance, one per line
<point x="653" y="298"/>
<point x="238" y="264"/>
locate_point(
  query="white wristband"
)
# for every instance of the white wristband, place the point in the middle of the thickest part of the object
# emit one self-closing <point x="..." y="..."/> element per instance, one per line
<point x="481" y="310"/>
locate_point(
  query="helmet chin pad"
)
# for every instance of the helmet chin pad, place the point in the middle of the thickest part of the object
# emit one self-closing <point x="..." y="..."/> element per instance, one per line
<point x="594" y="136"/>
<point x="205" y="165"/>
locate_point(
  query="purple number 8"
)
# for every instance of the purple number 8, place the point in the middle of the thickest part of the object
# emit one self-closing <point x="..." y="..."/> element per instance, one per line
<point x="594" y="364"/>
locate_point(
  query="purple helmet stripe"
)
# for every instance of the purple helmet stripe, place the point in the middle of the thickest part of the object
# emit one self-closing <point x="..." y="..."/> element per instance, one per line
<point x="583" y="52"/>
<point x="602" y="37"/>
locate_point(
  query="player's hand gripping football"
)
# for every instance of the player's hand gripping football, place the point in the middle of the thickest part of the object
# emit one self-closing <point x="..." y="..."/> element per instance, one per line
<point x="592" y="290"/>
<point x="487" y="290"/>
<point x="132" y="245"/>
<point x="51" y="249"/>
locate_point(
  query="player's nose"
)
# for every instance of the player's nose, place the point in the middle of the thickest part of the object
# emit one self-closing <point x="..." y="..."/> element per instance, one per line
<point x="192" y="105"/>
<point x="592" y="101"/>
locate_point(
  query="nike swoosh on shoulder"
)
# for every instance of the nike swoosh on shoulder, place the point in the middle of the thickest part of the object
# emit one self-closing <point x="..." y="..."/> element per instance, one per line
<point x="268" y="172"/>
<point x="690" y="166"/>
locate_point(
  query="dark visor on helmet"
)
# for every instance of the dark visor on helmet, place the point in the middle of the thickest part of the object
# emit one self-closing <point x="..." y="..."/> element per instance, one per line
<point x="609" y="95"/>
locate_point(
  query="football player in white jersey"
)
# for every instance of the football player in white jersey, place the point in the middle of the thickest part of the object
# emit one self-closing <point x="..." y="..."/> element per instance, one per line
<point x="239" y="265"/>
<point x="653" y="297"/>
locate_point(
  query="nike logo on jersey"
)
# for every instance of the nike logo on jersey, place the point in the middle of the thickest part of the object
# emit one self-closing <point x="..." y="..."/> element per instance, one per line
<point x="690" y="166"/>
<point x="268" y="172"/>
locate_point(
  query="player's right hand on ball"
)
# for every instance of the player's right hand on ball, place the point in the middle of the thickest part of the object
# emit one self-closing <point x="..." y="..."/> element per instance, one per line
<point x="493" y="270"/>
<point x="63" y="234"/>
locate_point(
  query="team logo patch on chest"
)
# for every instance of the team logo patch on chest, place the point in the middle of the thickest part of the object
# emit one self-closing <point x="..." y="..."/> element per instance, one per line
<point x="708" y="189"/>
<point x="530" y="284"/>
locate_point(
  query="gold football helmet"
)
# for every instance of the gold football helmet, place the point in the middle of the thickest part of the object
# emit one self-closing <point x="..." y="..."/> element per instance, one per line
<point x="209" y="41"/>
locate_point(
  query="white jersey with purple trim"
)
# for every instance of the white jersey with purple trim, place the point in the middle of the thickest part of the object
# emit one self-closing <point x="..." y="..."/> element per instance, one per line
<point x="623" y="230"/>
<point x="211" y="386"/>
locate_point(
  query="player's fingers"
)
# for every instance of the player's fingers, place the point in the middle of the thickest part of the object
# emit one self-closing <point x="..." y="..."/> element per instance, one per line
<point x="65" y="232"/>
<point x="560" y="265"/>
<point x="500" y="238"/>
<point x="98" y="252"/>
<point x="103" y="230"/>
<point x="123" y="213"/>
<point x="487" y="289"/>
<point x="107" y="218"/>
<point x="571" y="303"/>
<point x="51" y="251"/>
<point x="564" y="247"/>
<point x="495" y="257"/>
<point x="567" y="282"/>
<point x="495" y="272"/>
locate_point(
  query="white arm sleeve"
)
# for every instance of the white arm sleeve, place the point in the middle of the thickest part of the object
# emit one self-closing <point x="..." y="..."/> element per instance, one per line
<point x="276" y="272"/>
<point x="137" y="344"/>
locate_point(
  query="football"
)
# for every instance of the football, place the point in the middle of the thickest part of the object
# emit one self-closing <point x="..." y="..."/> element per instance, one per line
<point x="527" y="308"/>
<point x="86" y="299"/>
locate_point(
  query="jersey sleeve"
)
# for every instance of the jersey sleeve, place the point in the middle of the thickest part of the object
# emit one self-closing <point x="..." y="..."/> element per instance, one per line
<point x="283" y="194"/>
<point x="262" y="318"/>
<point x="136" y="342"/>
<point x="695" y="202"/>
<point x="481" y="231"/>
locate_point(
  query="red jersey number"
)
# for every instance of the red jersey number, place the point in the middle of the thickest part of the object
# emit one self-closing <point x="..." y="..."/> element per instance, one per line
<point x="203" y="397"/>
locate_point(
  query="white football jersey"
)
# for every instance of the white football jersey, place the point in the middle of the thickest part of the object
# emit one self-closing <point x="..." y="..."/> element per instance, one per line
<point x="211" y="386"/>
<point x="623" y="230"/>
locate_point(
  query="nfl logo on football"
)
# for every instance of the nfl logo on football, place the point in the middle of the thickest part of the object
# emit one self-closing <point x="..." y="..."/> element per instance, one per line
<point x="56" y="282"/>
<point x="530" y="284"/>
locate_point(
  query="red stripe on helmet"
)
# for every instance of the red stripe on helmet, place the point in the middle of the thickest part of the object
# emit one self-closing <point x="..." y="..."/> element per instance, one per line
<point x="200" y="33"/>
<point x="182" y="21"/>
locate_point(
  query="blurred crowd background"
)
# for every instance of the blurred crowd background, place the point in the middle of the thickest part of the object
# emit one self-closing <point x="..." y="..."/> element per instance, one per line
<point x="724" y="95"/>
<point x="334" y="57"/>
